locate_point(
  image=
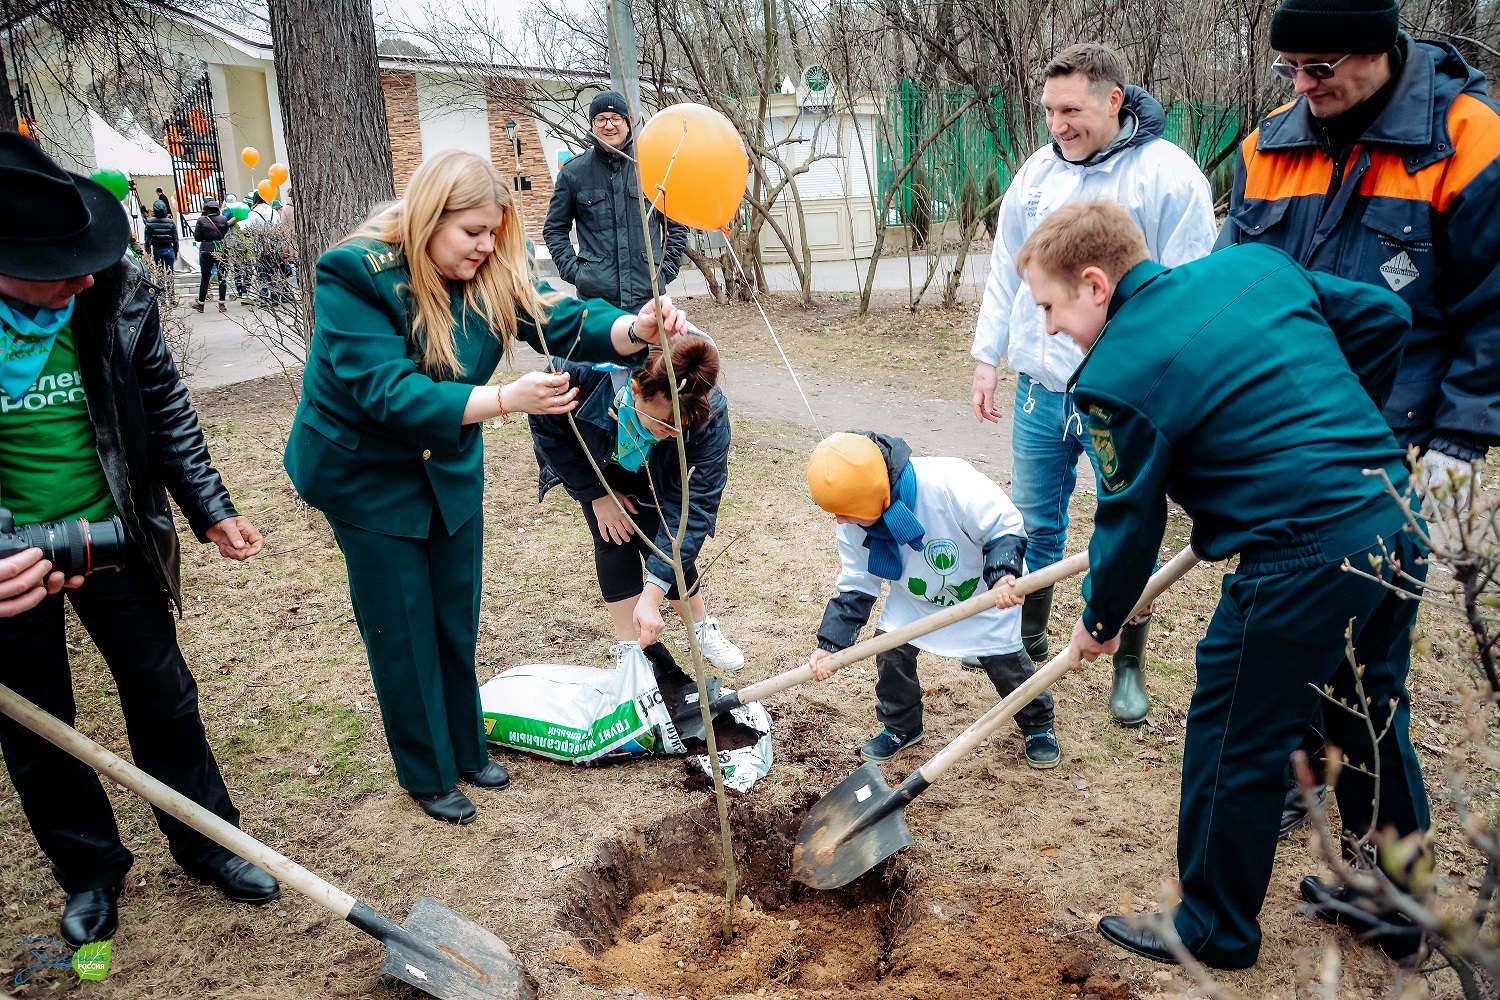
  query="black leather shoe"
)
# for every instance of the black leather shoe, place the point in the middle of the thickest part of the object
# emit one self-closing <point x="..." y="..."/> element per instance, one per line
<point x="492" y="775"/>
<point x="1391" y="932"/>
<point x="91" y="915"/>
<point x="1140" y="941"/>
<point x="451" y="806"/>
<point x="238" y="880"/>
<point x="1147" y="943"/>
<point x="1294" y="814"/>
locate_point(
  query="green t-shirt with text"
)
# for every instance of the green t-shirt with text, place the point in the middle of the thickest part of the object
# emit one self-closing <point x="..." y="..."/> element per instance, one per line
<point x="49" y="463"/>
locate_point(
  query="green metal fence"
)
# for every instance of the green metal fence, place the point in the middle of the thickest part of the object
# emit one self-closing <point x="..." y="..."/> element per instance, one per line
<point x="973" y="160"/>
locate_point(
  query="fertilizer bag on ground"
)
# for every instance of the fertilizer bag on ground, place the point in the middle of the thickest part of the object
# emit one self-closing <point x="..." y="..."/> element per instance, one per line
<point x="585" y="715"/>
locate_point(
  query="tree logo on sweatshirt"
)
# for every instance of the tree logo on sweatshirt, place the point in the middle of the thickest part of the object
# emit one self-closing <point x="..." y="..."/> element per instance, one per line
<point x="942" y="556"/>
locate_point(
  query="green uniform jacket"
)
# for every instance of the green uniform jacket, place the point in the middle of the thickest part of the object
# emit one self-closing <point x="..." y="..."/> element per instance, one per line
<point x="1249" y="390"/>
<point x="376" y="442"/>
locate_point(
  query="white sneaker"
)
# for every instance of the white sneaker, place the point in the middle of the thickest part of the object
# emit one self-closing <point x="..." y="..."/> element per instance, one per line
<point x="720" y="651"/>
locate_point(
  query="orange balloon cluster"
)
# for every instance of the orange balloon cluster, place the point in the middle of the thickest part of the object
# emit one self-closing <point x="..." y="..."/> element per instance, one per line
<point x="693" y="165"/>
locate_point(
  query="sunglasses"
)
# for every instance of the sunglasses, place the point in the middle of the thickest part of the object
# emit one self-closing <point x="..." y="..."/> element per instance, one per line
<point x="1315" y="70"/>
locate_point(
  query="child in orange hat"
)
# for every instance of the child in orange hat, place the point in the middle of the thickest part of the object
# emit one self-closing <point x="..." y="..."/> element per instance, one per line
<point x="935" y="528"/>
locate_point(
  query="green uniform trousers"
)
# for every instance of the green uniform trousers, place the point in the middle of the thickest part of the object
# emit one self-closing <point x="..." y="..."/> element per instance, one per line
<point x="1276" y="639"/>
<point x="417" y="604"/>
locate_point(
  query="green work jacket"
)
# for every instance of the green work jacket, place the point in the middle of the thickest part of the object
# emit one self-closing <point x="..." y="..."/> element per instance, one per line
<point x="377" y="442"/>
<point x="1249" y="391"/>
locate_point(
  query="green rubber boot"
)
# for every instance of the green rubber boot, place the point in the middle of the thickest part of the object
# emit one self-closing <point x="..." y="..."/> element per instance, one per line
<point x="1128" y="699"/>
<point x="1034" y="615"/>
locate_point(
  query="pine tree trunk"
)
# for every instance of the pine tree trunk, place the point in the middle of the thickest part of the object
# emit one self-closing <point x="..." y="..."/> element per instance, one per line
<point x="338" y="143"/>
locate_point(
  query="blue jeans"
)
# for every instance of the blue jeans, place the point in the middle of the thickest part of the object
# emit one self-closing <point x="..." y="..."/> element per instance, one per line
<point x="1046" y="439"/>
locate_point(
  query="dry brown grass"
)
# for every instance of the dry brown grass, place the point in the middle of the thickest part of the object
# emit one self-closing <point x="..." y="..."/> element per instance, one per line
<point x="290" y="710"/>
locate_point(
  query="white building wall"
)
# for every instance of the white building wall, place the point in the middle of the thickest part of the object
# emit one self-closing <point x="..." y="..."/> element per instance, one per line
<point x="453" y="115"/>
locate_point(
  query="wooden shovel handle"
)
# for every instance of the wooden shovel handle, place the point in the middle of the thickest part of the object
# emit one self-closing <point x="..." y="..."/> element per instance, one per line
<point x="173" y="802"/>
<point x="1030" y="583"/>
<point x="1044" y="678"/>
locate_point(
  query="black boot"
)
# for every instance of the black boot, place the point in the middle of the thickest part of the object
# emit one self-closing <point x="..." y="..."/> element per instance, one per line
<point x="1034" y="615"/>
<point x="1128" y="699"/>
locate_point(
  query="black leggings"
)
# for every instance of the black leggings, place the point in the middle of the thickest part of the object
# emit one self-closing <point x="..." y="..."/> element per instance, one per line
<point x="620" y="567"/>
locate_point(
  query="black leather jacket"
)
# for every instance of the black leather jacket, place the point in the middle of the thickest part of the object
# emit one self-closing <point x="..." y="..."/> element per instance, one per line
<point x="147" y="432"/>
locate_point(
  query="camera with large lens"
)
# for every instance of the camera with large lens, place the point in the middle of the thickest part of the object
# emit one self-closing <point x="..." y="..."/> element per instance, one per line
<point x="75" y="548"/>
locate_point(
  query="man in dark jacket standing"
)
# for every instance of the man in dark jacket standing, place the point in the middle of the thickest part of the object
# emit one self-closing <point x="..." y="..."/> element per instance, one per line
<point x="95" y="422"/>
<point x="598" y="191"/>
<point x="1386" y="170"/>
<point x="162" y="243"/>
<point x="212" y="226"/>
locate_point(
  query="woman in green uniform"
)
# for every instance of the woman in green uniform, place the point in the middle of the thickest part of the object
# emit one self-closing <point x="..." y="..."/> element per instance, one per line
<point x="414" y="312"/>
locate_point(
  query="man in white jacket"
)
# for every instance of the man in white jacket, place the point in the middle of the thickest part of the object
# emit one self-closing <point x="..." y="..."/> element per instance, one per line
<point x="1107" y="143"/>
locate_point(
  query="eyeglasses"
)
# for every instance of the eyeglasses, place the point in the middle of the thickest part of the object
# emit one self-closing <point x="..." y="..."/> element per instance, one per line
<point x="1315" y="70"/>
<point x="604" y="121"/>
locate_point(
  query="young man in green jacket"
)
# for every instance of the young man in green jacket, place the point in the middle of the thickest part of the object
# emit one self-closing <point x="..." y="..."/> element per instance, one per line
<point x="1248" y="390"/>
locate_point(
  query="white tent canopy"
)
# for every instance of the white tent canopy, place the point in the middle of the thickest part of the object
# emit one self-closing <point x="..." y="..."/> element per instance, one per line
<point x="128" y="148"/>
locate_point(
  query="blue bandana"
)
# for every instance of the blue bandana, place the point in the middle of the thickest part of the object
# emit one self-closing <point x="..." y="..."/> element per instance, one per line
<point x="632" y="441"/>
<point x="898" y="526"/>
<point x="27" y="345"/>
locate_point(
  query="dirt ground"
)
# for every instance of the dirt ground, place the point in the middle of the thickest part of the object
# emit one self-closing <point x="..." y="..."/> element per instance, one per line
<point x="603" y="880"/>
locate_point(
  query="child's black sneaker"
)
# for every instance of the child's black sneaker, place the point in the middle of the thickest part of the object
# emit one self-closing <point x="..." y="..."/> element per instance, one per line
<point x="889" y="745"/>
<point x="1042" y="751"/>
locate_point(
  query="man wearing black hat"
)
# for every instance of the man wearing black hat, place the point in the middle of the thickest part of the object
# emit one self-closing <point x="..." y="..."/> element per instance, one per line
<point x="597" y="191"/>
<point x="94" y="423"/>
<point x="1386" y="169"/>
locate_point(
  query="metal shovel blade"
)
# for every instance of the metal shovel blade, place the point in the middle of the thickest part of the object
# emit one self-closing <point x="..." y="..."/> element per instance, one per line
<point x="687" y="715"/>
<point x="853" y="828"/>
<point x="448" y="957"/>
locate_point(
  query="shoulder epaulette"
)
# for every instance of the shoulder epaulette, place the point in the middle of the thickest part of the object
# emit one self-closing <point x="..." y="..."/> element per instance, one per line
<point x="378" y="261"/>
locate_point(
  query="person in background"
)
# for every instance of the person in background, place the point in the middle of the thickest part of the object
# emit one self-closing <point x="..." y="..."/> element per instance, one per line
<point x="95" y="422"/>
<point x="597" y="194"/>
<point x="162" y="245"/>
<point x="211" y="228"/>
<point x="414" y="311"/>
<point x="1106" y="143"/>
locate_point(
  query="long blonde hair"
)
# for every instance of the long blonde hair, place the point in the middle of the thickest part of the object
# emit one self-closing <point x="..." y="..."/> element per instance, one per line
<point x="452" y="181"/>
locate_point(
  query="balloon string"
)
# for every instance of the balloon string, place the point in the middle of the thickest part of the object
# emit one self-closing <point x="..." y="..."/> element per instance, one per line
<point x="817" y="425"/>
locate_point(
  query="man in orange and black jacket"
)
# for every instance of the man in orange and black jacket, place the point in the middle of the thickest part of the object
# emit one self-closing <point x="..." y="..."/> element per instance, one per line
<point x="1386" y="170"/>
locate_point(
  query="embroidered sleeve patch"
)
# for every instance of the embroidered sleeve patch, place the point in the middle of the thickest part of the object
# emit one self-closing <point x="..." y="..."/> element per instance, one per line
<point x="1102" y="438"/>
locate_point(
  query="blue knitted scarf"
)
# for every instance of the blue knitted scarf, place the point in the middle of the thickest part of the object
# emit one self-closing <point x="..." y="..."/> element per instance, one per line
<point x="898" y="526"/>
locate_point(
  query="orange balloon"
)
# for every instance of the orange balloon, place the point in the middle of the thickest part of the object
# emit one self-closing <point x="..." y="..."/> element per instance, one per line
<point x="200" y="122"/>
<point x="266" y="190"/>
<point x="250" y="156"/>
<point x="708" y="167"/>
<point x="278" y="174"/>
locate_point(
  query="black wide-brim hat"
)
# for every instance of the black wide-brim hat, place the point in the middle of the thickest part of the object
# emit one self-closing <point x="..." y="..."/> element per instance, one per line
<point x="54" y="225"/>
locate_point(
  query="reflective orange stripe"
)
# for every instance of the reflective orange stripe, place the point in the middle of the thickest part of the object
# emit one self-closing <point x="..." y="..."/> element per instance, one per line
<point x="1475" y="131"/>
<point x="1293" y="173"/>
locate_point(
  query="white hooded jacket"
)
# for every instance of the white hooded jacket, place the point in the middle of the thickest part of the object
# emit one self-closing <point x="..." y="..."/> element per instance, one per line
<point x="1151" y="178"/>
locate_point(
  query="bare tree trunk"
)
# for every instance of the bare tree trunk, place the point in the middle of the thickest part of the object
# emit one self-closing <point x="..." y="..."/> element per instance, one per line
<point x="331" y="101"/>
<point x="10" y="120"/>
<point x="706" y="268"/>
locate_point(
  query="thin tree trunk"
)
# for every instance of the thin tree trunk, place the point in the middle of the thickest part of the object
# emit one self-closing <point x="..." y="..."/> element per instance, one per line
<point x="10" y="120"/>
<point x="338" y="143"/>
<point x="706" y="268"/>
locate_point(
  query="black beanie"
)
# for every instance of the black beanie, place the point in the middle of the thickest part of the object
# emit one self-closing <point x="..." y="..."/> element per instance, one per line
<point x="1342" y="26"/>
<point x="609" y="100"/>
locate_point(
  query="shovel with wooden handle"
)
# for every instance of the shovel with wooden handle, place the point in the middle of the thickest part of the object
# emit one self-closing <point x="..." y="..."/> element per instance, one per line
<point x="862" y="821"/>
<point x="436" y="950"/>
<point x="689" y="718"/>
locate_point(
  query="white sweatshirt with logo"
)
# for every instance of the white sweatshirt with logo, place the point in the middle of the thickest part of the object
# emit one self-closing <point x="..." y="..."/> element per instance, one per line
<point x="961" y="509"/>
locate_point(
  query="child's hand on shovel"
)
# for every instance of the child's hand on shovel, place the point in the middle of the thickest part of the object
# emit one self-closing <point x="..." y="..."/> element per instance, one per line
<point x="1086" y="648"/>
<point x="1003" y="597"/>
<point x="818" y="672"/>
